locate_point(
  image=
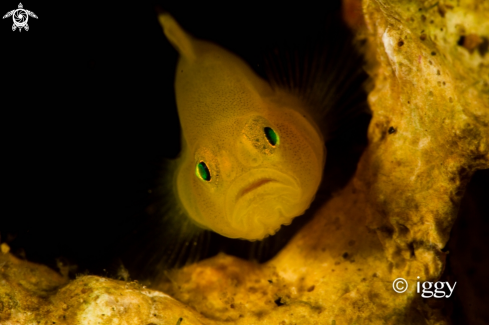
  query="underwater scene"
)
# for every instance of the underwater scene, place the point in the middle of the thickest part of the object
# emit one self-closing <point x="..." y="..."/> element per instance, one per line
<point x="184" y="163"/>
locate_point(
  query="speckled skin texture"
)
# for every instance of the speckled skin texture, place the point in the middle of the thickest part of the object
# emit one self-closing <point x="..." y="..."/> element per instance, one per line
<point x="255" y="187"/>
<point x="429" y="133"/>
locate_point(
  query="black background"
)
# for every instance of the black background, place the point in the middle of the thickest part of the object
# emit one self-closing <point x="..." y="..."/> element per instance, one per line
<point x="89" y="113"/>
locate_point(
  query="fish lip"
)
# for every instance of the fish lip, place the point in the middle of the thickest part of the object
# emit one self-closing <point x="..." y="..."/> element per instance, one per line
<point x="259" y="178"/>
<point x="254" y="185"/>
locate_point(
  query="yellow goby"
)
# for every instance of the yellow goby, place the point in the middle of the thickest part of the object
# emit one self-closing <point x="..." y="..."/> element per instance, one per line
<point x="252" y="157"/>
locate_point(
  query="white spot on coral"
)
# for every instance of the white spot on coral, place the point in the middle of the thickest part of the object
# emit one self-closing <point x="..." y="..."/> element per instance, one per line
<point x="152" y="293"/>
<point x="421" y="144"/>
<point x="291" y="275"/>
<point x="389" y="44"/>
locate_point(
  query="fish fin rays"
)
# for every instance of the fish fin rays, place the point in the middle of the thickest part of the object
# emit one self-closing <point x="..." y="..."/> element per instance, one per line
<point x="323" y="70"/>
<point x="168" y="238"/>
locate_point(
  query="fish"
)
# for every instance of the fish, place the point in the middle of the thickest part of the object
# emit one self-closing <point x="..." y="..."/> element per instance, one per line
<point x="258" y="132"/>
<point x="252" y="157"/>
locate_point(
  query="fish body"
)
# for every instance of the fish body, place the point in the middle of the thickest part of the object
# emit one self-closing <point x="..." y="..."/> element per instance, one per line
<point x="252" y="156"/>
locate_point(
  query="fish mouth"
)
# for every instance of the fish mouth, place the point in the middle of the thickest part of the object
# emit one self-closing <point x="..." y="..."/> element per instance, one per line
<point x="256" y="180"/>
<point x="258" y="200"/>
<point x="253" y="186"/>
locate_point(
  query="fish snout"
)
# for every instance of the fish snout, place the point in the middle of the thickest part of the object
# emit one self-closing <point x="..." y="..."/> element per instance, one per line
<point x="247" y="154"/>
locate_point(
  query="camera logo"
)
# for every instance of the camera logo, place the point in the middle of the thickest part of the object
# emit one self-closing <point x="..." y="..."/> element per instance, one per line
<point x="20" y="17"/>
<point x="430" y="289"/>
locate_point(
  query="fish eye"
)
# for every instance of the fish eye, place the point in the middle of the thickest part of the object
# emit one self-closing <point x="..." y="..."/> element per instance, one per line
<point x="272" y="136"/>
<point x="203" y="172"/>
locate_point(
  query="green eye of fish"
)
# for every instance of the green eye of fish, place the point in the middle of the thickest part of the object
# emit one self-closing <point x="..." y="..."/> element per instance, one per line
<point x="203" y="172"/>
<point x="272" y="137"/>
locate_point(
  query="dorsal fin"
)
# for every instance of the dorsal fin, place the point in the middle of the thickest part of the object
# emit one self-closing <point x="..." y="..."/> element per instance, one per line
<point x="181" y="40"/>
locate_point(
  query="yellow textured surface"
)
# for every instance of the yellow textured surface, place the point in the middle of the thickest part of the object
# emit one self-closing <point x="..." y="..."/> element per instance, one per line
<point x="255" y="187"/>
<point x="429" y="132"/>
